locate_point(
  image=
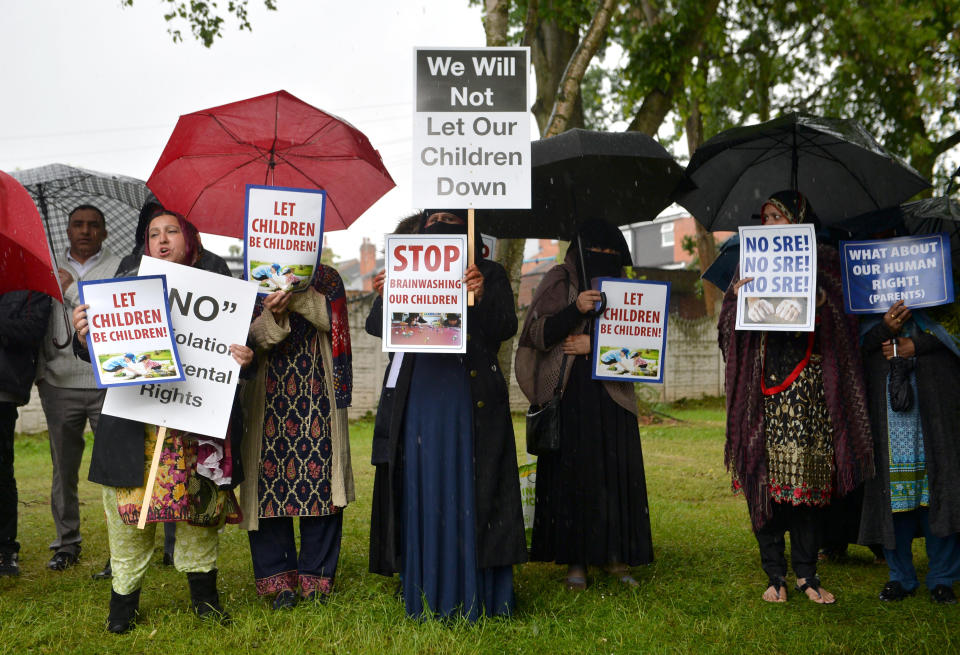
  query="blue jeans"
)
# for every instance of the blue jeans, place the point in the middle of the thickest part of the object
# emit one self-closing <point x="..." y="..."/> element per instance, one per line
<point x="943" y="552"/>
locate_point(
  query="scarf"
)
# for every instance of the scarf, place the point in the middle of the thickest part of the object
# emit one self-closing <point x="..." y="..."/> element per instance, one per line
<point x="327" y="281"/>
<point x="843" y="384"/>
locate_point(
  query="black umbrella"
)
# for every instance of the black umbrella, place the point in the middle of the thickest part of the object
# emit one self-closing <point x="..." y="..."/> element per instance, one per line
<point x="928" y="216"/>
<point x="837" y="164"/>
<point x="621" y="177"/>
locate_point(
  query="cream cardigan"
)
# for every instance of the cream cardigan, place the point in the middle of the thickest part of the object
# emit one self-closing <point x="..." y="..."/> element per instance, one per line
<point x="266" y="334"/>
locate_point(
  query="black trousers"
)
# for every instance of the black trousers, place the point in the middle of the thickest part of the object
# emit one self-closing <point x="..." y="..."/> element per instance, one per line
<point x="8" y="484"/>
<point x="805" y="525"/>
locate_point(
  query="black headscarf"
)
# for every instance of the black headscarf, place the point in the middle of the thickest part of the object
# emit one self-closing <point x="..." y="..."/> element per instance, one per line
<point x="594" y="234"/>
<point x="794" y="206"/>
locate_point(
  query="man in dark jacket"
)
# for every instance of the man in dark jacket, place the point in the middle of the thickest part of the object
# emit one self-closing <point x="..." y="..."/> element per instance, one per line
<point x="23" y="322"/>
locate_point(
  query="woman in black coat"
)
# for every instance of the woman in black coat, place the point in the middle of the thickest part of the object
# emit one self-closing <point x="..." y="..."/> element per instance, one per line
<point x="446" y="462"/>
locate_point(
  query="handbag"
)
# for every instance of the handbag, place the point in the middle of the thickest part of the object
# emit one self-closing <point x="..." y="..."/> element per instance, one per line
<point x="543" y="422"/>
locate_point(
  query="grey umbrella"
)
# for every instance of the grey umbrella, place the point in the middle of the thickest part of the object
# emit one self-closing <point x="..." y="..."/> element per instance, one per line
<point x="57" y="189"/>
<point x="836" y="163"/>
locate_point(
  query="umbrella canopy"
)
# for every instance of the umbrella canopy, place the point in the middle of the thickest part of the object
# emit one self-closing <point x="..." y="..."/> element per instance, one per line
<point x="57" y="189"/>
<point x="840" y="167"/>
<point x="621" y="177"/>
<point x="24" y="252"/>
<point x="275" y="140"/>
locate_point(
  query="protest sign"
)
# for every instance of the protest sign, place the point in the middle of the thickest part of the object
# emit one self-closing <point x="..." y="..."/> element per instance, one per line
<point x="630" y="336"/>
<point x="424" y="297"/>
<point x="130" y="338"/>
<point x="208" y="312"/>
<point x="782" y="260"/>
<point x="283" y="235"/>
<point x="471" y="128"/>
<point x="879" y="272"/>
<point x="488" y="247"/>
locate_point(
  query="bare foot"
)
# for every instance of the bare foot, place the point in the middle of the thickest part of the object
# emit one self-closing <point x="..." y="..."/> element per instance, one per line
<point x="775" y="595"/>
<point x="819" y="595"/>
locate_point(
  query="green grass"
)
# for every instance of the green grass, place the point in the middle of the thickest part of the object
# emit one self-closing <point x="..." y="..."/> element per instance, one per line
<point x="701" y="595"/>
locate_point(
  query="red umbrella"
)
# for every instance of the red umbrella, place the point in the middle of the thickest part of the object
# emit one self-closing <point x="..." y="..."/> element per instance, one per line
<point x="24" y="251"/>
<point x="276" y="140"/>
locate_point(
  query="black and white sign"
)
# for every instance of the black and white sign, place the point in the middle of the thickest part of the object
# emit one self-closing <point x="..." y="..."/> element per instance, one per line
<point x="471" y="128"/>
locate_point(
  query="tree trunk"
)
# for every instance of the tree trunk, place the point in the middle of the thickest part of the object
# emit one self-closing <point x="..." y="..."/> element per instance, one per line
<point x="496" y="22"/>
<point x="568" y="92"/>
<point x="706" y="246"/>
<point x="550" y="49"/>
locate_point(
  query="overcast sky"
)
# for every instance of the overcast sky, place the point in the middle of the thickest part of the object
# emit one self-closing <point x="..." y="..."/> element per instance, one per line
<point x="100" y="86"/>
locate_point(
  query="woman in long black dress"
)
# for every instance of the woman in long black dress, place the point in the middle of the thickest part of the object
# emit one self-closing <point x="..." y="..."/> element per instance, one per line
<point x="591" y="494"/>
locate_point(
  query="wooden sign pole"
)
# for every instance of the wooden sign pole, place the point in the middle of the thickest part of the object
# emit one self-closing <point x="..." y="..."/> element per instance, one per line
<point x="470" y="249"/>
<point x="152" y="477"/>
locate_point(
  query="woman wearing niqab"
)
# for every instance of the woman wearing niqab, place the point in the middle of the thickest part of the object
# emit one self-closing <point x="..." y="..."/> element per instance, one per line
<point x="591" y="496"/>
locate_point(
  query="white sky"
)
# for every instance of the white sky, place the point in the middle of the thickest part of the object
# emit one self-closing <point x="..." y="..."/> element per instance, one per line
<point x="100" y="86"/>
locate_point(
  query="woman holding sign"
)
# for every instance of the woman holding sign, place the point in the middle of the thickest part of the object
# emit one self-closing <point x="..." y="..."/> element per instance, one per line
<point x="184" y="492"/>
<point x="297" y="438"/>
<point x="591" y="503"/>
<point x="797" y="428"/>
<point x="446" y="505"/>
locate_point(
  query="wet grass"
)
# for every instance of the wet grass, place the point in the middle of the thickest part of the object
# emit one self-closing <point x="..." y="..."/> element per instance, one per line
<point x="701" y="595"/>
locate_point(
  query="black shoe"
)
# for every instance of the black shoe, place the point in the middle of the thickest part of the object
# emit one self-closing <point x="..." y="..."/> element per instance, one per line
<point x="943" y="595"/>
<point x="124" y="610"/>
<point x="285" y="600"/>
<point x="893" y="590"/>
<point x="9" y="564"/>
<point x="204" y="596"/>
<point x="63" y="560"/>
<point x="105" y="574"/>
<point x="167" y="559"/>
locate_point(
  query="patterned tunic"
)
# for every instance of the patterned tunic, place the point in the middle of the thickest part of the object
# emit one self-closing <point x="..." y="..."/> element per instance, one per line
<point x="295" y="456"/>
<point x="909" y="485"/>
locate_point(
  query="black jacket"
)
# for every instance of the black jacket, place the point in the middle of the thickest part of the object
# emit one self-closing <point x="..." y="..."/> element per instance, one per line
<point x="23" y="325"/>
<point x="499" y="517"/>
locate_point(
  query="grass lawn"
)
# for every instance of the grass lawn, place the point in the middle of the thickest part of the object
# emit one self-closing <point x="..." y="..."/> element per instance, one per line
<point x="701" y="595"/>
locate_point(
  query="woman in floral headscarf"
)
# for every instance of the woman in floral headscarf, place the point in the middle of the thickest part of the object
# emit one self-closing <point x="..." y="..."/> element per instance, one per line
<point x="797" y="427"/>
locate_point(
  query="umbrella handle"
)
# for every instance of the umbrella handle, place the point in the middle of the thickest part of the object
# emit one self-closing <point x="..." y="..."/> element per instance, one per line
<point x="66" y="321"/>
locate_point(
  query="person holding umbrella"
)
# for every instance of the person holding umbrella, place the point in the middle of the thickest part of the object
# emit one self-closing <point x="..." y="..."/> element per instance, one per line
<point x="591" y="496"/>
<point x="122" y="453"/>
<point x="911" y="357"/>
<point x="446" y="506"/>
<point x="797" y="427"/>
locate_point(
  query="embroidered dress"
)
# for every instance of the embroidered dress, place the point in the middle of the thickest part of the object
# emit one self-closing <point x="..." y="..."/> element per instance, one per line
<point x="296" y="453"/>
<point x="179" y="493"/>
<point x="909" y="485"/>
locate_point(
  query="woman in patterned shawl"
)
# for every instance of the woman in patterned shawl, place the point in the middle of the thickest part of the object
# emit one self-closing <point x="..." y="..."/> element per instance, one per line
<point x="797" y="428"/>
<point x="296" y="431"/>
<point x="185" y="492"/>
<point x="917" y="488"/>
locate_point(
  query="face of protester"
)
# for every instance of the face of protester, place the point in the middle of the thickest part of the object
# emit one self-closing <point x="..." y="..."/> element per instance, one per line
<point x="86" y="231"/>
<point x="770" y="215"/>
<point x="443" y="217"/>
<point x="167" y="241"/>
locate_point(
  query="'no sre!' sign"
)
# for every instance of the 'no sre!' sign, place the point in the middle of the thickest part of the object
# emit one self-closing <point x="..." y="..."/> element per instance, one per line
<point x="782" y="260"/>
<point x="424" y="297"/>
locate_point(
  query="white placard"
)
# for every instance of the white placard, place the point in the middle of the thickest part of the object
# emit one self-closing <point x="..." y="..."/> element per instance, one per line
<point x="130" y="338"/>
<point x="424" y="297"/>
<point x="209" y="312"/>
<point x="630" y="336"/>
<point x="782" y="260"/>
<point x="471" y="128"/>
<point x="283" y="237"/>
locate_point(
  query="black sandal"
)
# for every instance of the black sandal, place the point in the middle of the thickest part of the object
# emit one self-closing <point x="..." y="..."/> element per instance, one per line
<point x="778" y="582"/>
<point x="813" y="582"/>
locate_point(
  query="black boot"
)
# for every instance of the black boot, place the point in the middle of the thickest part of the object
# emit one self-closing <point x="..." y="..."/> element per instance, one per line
<point x="123" y="611"/>
<point x="204" y="596"/>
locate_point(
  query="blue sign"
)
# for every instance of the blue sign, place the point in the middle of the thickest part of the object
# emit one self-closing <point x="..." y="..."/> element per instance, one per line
<point x="879" y="272"/>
